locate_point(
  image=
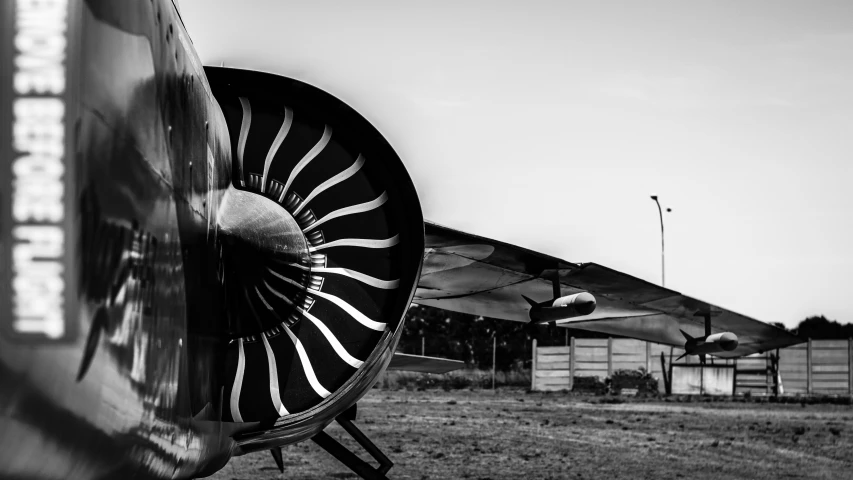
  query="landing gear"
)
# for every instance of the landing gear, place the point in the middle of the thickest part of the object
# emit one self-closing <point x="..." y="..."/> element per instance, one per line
<point x="351" y="460"/>
<point x="276" y="456"/>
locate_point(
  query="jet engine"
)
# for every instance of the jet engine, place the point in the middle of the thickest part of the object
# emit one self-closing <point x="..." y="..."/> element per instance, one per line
<point x="569" y="306"/>
<point x="583" y="302"/>
<point x="714" y="343"/>
<point x="321" y="238"/>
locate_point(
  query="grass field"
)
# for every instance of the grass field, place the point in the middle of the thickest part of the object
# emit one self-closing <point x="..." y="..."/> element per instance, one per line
<point x="513" y="434"/>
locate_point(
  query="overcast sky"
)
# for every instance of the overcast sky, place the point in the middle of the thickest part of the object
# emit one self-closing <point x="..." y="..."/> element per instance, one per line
<point x="549" y="124"/>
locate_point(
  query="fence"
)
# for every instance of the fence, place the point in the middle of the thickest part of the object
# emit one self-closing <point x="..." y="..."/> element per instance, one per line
<point x="819" y="366"/>
<point x="693" y="379"/>
<point x="816" y="367"/>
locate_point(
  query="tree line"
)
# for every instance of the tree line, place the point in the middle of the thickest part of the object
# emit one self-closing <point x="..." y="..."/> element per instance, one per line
<point x="821" y="328"/>
<point x="440" y="333"/>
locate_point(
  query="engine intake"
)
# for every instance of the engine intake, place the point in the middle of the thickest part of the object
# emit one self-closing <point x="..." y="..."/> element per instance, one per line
<point x="322" y="243"/>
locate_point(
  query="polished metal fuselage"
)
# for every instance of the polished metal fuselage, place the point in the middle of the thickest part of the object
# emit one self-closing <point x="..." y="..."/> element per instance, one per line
<point x="131" y="387"/>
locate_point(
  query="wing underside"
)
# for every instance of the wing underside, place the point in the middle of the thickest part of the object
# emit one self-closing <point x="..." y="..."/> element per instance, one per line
<point x="480" y="276"/>
<point x="423" y="364"/>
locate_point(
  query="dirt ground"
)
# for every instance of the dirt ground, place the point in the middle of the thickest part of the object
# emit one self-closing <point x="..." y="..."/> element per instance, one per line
<point x="513" y="434"/>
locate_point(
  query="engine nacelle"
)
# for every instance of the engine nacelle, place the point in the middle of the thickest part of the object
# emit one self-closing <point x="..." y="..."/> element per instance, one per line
<point x="569" y="306"/>
<point x="583" y="303"/>
<point x="718" y="342"/>
<point x="322" y="244"/>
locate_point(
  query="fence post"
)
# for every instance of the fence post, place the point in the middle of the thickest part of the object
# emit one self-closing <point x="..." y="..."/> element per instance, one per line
<point x="572" y="363"/>
<point x="776" y="374"/>
<point x="533" y="368"/>
<point x="494" y="355"/>
<point x="850" y="366"/>
<point x="670" y="371"/>
<point x="648" y="358"/>
<point x="809" y="367"/>
<point x="734" y="377"/>
<point x="609" y="356"/>
<point x="423" y="346"/>
<point x="768" y="361"/>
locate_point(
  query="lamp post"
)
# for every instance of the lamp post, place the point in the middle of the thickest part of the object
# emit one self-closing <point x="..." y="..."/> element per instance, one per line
<point x="662" y="263"/>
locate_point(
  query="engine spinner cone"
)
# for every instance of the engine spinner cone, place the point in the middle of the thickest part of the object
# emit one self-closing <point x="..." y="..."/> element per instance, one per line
<point x="257" y="233"/>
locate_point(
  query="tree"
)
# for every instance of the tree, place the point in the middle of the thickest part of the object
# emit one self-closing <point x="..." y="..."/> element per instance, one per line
<point x="821" y="328"/>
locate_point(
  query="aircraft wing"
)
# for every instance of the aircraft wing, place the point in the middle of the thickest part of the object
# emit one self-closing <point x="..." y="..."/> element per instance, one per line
<point x="476" y="275"/>
<point x="423" y="364"/>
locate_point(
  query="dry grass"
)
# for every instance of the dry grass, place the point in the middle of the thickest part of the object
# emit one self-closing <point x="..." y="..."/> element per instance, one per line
<point x="513" y="434"/>
<point x="456" y="380"/>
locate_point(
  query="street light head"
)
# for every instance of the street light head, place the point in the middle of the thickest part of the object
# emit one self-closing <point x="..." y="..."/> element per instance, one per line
<point x="668" y="209"/>
<point x="655" y="198"/>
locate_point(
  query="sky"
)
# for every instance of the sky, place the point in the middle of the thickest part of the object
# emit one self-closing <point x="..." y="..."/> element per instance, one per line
<point x="549" y="124"/>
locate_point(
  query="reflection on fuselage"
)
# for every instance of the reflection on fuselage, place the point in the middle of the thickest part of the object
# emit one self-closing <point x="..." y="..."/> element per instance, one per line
<point x="140" y="386"/>
<point x="131" y="394"/>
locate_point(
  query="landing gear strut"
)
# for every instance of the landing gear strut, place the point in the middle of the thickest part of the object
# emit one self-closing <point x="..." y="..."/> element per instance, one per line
<point x="351" y="460"/>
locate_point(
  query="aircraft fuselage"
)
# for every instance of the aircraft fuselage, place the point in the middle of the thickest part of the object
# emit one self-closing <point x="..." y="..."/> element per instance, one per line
<point x="117" y="159"/>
